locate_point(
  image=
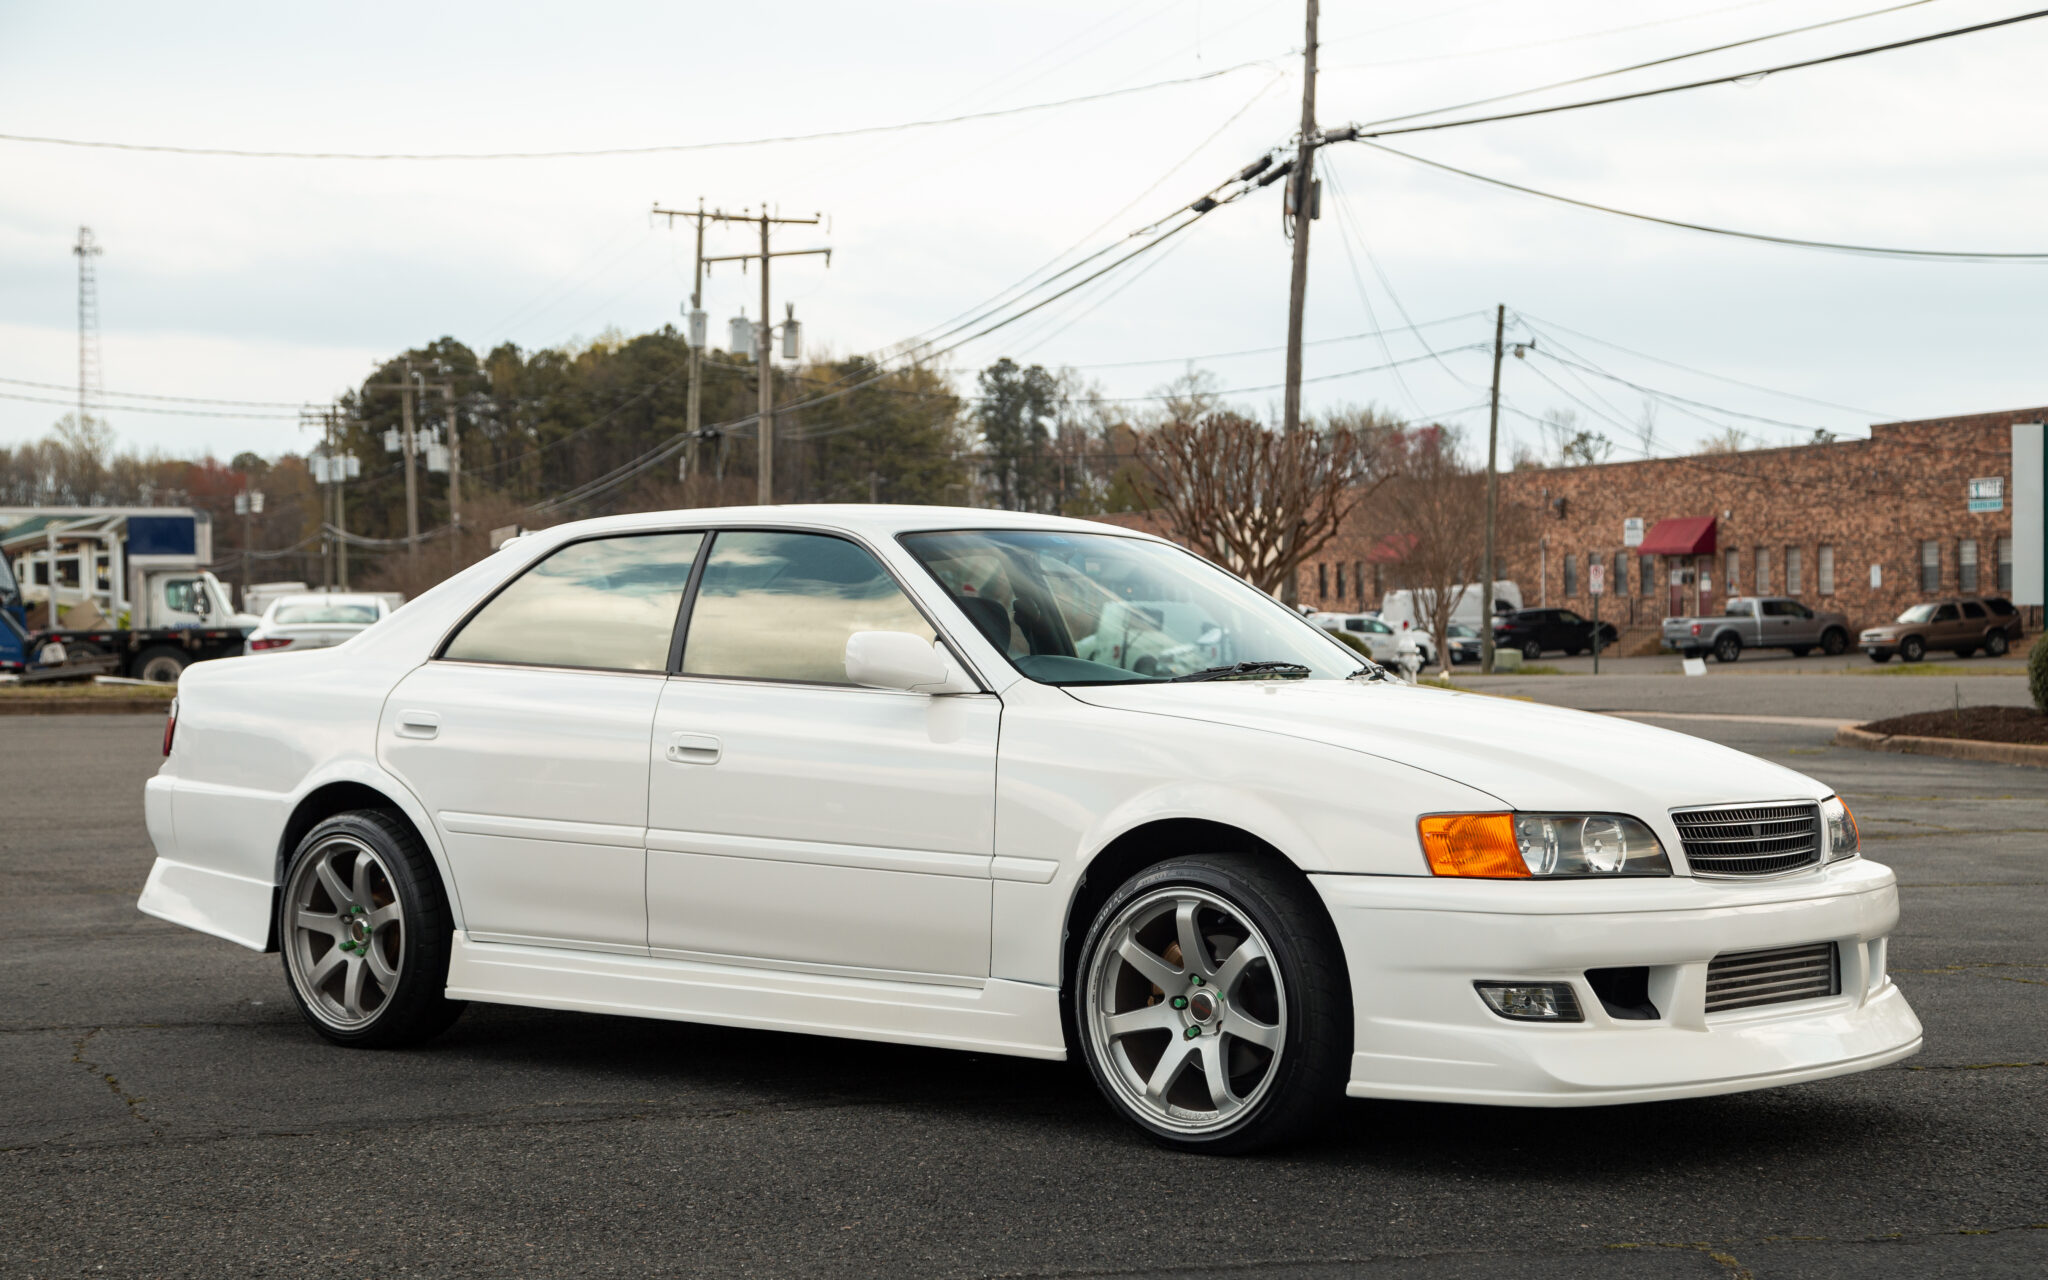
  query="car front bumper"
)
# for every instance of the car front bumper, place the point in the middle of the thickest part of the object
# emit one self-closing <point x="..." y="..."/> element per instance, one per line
<point x="1414" y="946"/>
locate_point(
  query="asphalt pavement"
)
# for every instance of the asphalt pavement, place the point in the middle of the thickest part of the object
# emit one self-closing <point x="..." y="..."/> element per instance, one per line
<point x="166" y="1112"/>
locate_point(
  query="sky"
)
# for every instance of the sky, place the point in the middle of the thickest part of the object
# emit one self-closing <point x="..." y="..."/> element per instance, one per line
<point x="288" y="280"/>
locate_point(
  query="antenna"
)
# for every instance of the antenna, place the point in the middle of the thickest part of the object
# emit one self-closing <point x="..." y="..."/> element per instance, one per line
<point x="87" y="249"/>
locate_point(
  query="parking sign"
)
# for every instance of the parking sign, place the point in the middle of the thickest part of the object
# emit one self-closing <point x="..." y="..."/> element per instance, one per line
<point x="1597" y="577"/>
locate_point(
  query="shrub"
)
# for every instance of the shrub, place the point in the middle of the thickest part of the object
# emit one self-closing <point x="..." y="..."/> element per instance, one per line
<point x="1353" y="642"/>
<point x="2037" y="673"/>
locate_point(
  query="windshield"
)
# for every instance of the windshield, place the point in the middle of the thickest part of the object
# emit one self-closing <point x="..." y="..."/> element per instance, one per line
<point x="1100" y="609"/>
<point x="1918" y="613"/>
<point x="312" y="614"/>
<point x="7" y="588"/>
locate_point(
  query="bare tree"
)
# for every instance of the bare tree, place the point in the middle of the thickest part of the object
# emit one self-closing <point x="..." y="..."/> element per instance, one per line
<point x="1257" y="501"/>
<point x="1434" y="508"/>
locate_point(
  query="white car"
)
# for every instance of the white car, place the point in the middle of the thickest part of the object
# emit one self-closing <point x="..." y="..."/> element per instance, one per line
<point x="838" y="770"/>
<point x="1384" y="642"/>
<point x="314" y="621"/>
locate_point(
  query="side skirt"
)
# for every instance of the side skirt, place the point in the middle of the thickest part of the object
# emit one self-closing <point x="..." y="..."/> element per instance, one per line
<point x="997" y="1016"/>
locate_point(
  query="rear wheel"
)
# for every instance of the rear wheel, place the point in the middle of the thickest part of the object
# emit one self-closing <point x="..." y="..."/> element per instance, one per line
<point x="1995" y="644"/>
<point x="1727" y="649"/>
<point x="365" y="930"/>
<point x="1912" y="648"/>
<point x="161" y="665"/>
<point x="1212" y="1006"/>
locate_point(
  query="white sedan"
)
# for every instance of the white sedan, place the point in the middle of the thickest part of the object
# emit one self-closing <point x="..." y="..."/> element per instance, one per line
<point x="314" y="621"/>
<point x="840" y="771"/>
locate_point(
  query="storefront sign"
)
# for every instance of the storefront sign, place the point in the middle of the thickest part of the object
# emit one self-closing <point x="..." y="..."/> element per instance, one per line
<point x="1987" y="494"/>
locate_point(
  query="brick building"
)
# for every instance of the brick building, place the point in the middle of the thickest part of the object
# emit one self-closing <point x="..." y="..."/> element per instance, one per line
<point x="1865" y="527"/>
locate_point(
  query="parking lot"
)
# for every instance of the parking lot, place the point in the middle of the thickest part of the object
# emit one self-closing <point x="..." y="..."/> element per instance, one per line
<point x="166" y="1112"/>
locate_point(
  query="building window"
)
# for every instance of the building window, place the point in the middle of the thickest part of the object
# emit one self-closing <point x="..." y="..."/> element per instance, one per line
<point x="1571" y="574"/>
<point x="1825" y="567"/>
<point x="1358" y="579"/>
<point x="1793" y="566"/>
<point x="1620" y="584"/>
<point x="1646" y="574"/>
<point x="1763" y="571"/>
<point x="1323" y="581"/>
<point x="1966" y="566"/>
<point x="1340" y="579"/>
<point x="2004" y="565"/>
<point x="1730" y="584"/>
<point x="1930" y="567"/>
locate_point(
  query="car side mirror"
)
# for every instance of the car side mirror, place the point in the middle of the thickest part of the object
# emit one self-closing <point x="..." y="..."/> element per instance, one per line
<point x="899" y="660"/>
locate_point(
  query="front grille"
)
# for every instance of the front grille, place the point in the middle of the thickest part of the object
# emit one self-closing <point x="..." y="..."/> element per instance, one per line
<point x="1754" y="840"/>
<point x="1746" y="979"/>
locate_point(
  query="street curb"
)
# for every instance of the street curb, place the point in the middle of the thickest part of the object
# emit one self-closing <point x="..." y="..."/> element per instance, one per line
<point x="84" y="706"/>
<point x="1953" y="748"/>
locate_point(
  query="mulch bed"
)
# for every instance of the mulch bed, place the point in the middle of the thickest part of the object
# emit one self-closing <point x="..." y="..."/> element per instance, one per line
<point x="1979" y="724"/>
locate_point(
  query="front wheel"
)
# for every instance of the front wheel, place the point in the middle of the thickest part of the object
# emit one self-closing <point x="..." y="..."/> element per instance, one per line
<point x="1532" y="651"/>
<point x="1835" y="643"/>
<point x="365" y="930"/>
<point x="1212" y="1006"/>
<point x="1727" y="649"/>
<point x="1912" y="649"/>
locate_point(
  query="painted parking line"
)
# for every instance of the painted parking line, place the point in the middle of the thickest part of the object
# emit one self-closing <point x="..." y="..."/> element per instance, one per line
<point x="1817" y="722"/>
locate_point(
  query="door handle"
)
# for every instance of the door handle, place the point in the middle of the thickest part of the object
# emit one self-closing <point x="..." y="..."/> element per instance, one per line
<point x="418" y="724"/>
<point x="693" y="748"/>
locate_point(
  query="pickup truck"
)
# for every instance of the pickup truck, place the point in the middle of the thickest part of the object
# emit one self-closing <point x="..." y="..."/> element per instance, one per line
<point x="1758" y="622"/>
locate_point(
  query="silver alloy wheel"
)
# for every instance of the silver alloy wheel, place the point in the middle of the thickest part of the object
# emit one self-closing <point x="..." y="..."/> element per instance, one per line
<point x="1186" y="1012"/>
<point x="346" y="932"/>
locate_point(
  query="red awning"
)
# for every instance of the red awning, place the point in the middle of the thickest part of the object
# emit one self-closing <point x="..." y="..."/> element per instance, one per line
<point x="1685" y="536"/>
<point x="1392" y="548"/>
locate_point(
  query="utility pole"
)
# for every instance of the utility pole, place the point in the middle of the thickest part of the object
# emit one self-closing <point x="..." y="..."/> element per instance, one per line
<point x="248" y="504"/>
<point x="764" y="336"/>
<point x="698" y="326"/>
<point x="1302" y="184"/>
<point x="1500" y="322"/>
<point x="410" y="384"/>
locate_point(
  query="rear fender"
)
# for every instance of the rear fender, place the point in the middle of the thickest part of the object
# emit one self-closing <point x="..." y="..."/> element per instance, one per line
<point x="364" y="773"/>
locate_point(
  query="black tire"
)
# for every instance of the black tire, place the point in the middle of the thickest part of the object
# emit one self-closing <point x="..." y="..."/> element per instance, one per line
<point x="1571" y="651"/>
<point x="1912" y="649"/>
<point x="415" y="1008"/>
<point x="1309" y="1072"/>
<point x="161" y="664"/>
<point x="1995" y="645"/>
<point x="1727" y="649"/>
<point x="1800" y="650"/>
<point x="1532" y="650"/>
<point x="1880" y="655"/>
<point x="1834" y="642"/>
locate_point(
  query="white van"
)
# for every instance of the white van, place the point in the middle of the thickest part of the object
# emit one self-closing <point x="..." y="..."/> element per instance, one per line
<point x="1400" y="611"/>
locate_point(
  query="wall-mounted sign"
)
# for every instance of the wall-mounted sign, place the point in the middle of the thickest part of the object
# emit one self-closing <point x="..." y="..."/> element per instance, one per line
<point x="1987" y="494"/>
<point x="1632" y="532"/>
<point x="1597" y="578"/>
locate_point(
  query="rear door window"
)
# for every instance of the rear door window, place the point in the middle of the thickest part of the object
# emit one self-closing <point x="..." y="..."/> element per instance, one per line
<point x="608" y="603"/>
<point x="1971" y="609"/>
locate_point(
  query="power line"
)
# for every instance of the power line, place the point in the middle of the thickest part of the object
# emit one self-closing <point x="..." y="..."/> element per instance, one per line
<point x="183" y="413"/>
<point x="137" y="395"/>
<point x="1538" y="44"/>
<point x="1359" y="132"/>
<point x="1654" y="62"/>
<point x="658" y="149"/>
<point x="1864" y="250"/>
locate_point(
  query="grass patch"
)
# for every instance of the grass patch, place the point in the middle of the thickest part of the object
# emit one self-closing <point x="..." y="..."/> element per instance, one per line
<point x="1896" y="668"/>
<point x="85" y="692"/>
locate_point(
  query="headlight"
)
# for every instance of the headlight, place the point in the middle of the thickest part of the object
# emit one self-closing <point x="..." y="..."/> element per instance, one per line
<point x="1844" y="841"/>
<point x="1516" y="846"/>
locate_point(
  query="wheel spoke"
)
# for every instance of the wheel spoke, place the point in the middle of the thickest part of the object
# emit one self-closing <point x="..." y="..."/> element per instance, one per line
<point x="1157" y="1017"/>
<point x="318" y="922"/>
<point x="386" y="914"/>
<point x="380" y="968"/>
<point x="1218" y="1079"/>
<point x="325" y="967"/>
<point x="1168" y="1070"/>
<point x="336" y="890"/>
<point x="1194" y="950"/>
<point x="1161" y="974"/>
<point x="352" y="987"/>
<point x="1241" y="959"/>
<point x="1264" y="1034"/>
<point x="364" y="865"/>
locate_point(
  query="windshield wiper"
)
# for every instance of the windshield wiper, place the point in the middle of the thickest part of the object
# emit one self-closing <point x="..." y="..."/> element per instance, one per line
<point x="1247" y="671"/>
<point x="1369" y="672"/>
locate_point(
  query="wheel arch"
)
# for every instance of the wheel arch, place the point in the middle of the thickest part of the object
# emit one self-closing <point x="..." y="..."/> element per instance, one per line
<point x="349" y="788"/>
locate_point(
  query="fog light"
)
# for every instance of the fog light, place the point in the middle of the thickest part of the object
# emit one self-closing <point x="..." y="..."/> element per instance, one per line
<point x="1531" y="1001"/>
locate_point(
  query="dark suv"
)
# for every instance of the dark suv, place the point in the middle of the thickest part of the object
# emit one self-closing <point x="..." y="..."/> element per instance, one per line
<point x="1962" y="625"/>
<point x="1535" y="631"/>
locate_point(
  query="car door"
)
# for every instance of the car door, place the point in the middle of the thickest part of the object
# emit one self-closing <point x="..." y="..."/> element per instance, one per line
<point x="797" y="820"/>
<point x="1946" y="631"/>
<point x="1379" y="639"/>
<point x="526" y="739"/>
<point x="1567" y="631"/>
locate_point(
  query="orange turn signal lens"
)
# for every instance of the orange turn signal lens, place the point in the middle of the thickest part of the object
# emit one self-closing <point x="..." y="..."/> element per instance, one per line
<point x="1473" y="844"/>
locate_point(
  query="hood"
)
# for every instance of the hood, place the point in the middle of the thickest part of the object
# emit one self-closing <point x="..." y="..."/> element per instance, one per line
<point x="1525" y="754"/>
<point x="1886" y="630"/>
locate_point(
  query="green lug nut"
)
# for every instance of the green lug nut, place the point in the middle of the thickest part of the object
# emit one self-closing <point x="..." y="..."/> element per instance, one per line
<point x="1198" y="980"/>
<point x="1192" y="1032"/>
<point x="1179" y="1002"/>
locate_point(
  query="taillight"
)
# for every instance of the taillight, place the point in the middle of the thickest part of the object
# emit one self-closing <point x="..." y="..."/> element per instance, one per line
<point x="268" y="644"/>
<point x="171" y="726"/>
<point x="1695" y="628"/>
